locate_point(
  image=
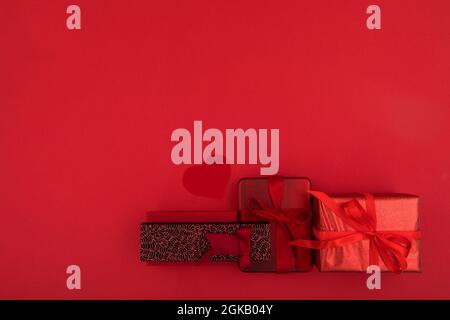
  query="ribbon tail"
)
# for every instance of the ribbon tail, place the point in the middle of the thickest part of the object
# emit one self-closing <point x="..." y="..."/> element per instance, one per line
<point x="373" y="252"/>
<point x="393" y="254"/>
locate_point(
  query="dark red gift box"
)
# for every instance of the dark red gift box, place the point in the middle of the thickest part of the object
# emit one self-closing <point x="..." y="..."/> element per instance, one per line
<point x="284" y="202"/>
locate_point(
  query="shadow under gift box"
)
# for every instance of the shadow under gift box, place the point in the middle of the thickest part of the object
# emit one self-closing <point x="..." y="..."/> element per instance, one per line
<point x="394" y="212"/>
<point x="290" y="217"/>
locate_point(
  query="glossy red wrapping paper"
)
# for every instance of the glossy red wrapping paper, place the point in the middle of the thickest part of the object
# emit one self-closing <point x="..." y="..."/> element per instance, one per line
<point x="394" y="212"/>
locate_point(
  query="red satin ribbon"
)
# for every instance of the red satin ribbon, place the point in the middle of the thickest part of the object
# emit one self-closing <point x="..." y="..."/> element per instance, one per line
<point x="237" y="244"/>
<point x="391" y="246"/>
<point x="289" y="224"/>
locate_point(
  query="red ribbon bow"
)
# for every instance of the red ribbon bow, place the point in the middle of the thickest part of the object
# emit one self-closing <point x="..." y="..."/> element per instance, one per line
<point x="391" y="246"/>
<point x="290" y="224"/>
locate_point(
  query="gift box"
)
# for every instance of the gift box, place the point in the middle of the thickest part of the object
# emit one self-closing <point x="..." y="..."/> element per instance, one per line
<point x="285" y="203"/>
<point x="354" y="231"/>
<point x="247" y="243"/>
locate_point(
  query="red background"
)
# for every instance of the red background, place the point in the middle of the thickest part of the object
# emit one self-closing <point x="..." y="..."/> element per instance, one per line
<point x="86" y="118"/>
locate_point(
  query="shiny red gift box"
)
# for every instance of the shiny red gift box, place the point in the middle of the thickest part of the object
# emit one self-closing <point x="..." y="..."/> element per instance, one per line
<point x="354" y="231"/>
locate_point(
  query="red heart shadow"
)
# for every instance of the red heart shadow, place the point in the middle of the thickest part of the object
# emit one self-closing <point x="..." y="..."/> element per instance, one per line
<point x="207" y="180"/>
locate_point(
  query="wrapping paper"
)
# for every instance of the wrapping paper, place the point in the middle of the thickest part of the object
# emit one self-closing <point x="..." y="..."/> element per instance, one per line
<point x="394" y="212"/>
<point x="284" y="202"/>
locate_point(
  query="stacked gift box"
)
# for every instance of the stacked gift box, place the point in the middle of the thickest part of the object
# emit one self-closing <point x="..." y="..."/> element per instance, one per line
<point x="281" y="225"/>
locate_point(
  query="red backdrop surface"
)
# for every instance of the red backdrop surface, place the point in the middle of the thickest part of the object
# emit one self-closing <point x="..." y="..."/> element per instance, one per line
<point x="86" y="118"/>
